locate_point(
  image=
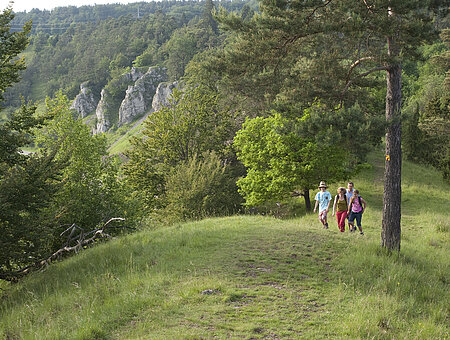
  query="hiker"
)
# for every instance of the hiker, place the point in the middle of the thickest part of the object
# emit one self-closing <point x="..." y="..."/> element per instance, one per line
<point x="349" y="191"/>
<point x="355" y="211"/>
<point x="340" y="201"/>
<point x="349" y="195"/>
<point x="323" y="200"/>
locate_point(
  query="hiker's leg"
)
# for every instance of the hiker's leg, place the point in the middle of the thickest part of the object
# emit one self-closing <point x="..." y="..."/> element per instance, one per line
<point x="321" y="217"/>
<point x="351" y="224"/>
<point x="341" y="220"/>
<point x="324" y="219"/>
<point x="343" y="217"/>
<point x="358" y="221"/>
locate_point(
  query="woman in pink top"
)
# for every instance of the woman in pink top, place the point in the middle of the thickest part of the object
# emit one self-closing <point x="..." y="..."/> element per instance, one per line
<point x="355" y="211"/>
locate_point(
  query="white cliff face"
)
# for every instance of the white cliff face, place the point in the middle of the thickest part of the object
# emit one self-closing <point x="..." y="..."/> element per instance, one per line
<point x="103" y="124"/>
<point x="138" y="98"/>
<point x="163" y="95"/>
<point x="134" y="75"/>
<point x="104" y="119"/>
<point x="85" y="102"/>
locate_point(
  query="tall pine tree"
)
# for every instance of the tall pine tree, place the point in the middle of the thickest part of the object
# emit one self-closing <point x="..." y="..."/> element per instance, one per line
<point x="298" y="50"/>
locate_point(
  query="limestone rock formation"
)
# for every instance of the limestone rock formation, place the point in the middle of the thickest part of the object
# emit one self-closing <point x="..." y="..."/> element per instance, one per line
<point x="138" y="98"/>
<point x="163" y="95"/>
<point x="85" y="102"/>
<point x="103" y="123"/>
<point x="108" y="105"/>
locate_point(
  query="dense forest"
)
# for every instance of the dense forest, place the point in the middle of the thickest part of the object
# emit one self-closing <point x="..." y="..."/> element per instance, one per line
<point x="71" y="45"/>
<point x="277" y="96"/>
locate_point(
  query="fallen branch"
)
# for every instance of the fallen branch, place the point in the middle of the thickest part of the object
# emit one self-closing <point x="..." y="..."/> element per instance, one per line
<point x="80" y="242"/>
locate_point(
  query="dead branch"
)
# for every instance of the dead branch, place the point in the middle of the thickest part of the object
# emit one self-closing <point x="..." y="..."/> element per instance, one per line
<point x="365" y="74"/>
<point x="81" y="242"/>
<point x="369" y="8"/>
<point x="356" y="63"/>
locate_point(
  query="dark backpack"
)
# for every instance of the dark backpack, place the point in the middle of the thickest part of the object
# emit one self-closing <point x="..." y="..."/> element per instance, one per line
<point x="345" y="199"/>
<point x="359" y="199"/>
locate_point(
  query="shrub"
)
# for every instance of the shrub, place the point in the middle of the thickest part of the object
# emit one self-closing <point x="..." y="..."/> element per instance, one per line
<point x="202" y="186"/>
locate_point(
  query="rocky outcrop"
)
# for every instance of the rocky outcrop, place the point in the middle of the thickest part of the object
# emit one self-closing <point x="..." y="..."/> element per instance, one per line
<point x="133" y="75"/>
<point x="103" y="123"/>
<point x="139" y="97"/>
<point x="163" y="95"/>
<point x="85" y="102"/>
<point x="108" y="105"/>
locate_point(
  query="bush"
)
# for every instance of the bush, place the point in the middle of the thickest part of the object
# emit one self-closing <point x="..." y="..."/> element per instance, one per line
<point x="201" y="187"/>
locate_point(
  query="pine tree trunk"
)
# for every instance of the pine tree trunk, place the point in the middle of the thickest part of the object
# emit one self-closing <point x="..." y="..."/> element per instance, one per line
<point x="307" y="200"/>
<point x="391" y="229"/>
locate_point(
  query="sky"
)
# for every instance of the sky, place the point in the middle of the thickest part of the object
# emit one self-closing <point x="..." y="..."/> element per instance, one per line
<point x="27" y="5"/>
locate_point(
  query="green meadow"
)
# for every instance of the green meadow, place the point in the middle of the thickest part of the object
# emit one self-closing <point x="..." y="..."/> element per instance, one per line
<point x="253" y="277"/>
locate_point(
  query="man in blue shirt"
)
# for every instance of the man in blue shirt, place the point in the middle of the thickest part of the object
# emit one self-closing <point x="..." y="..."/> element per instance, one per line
<point x="349" y="195"/>
<point x="349" y="191"/>
<point x="323" y="200"/>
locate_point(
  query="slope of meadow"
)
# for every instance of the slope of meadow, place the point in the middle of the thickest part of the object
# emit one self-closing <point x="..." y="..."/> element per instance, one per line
<point x="252" y="277"/>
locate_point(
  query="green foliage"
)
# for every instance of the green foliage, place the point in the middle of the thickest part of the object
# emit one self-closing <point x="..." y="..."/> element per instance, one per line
<point x="192" y="124"/>
<point x="91" y="193"/>
<point x="16" y="133"/>
<point x="252" y="277"/>
<point x="281" y="158"/>
<point x="183" y="45"/>
<point x="290" y="55"/>
<point x="27" y="223"/>
<point x="26" y="182"/>
<point x="71" y="46"/>
<point x="427" y="112"/>
<point x="200" y="187"/>
<point x="11" y="45"/>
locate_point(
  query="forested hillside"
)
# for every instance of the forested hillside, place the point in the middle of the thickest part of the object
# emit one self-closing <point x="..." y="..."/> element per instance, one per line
<point x="72" y="45"/>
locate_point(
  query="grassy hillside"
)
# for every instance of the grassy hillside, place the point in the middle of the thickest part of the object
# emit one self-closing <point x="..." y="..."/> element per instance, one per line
<point x="252" y="277"/>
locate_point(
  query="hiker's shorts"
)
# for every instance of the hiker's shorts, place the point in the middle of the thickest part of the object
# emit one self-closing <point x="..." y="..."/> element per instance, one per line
<point x="355" y="216"/>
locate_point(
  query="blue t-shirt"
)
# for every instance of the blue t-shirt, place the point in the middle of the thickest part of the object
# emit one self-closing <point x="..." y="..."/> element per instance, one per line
<point x="324" y="197"/>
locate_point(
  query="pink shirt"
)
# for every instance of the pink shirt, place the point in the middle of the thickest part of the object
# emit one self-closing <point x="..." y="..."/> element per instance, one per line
<point x="356" y="207"/>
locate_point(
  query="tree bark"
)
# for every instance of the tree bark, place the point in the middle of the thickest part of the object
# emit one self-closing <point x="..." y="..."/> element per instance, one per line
<point x="391" y="228"/>
<point x="307" y="200"/>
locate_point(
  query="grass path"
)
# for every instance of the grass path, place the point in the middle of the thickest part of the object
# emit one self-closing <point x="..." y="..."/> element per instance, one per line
<point x="252" y="277"/>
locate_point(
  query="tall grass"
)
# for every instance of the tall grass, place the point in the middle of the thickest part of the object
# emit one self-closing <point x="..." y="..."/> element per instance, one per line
<point x="252" y="277"/>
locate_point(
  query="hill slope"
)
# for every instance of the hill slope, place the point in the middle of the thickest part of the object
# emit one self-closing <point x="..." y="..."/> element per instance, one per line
<point x="252" y="277"/>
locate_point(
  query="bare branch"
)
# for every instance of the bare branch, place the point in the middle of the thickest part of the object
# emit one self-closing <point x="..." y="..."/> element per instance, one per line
<point x="368" y="6"/>
<point x="81" y="242"/>
<point x="365" y="74"/>
<point x="315" y="9"/>
<point x="362" y="75"/>
<point x="356" y="63"/>
<point x="111" y="220"/>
